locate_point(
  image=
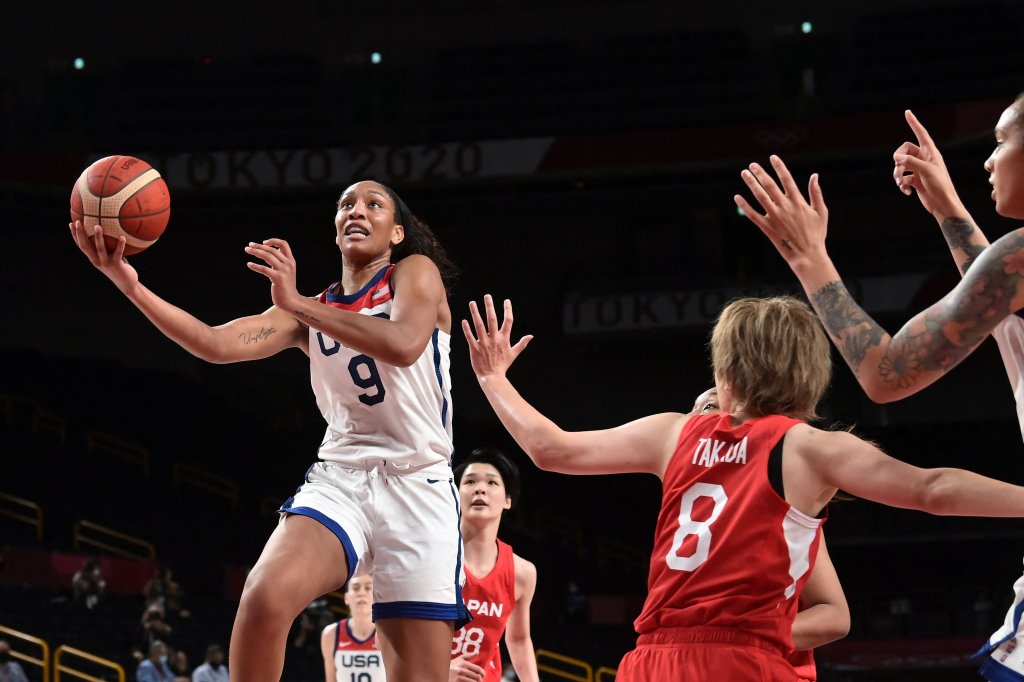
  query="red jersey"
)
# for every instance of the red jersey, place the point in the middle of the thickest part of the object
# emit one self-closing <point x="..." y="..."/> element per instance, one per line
<point x="729" y="552"/>
<point x="490" y="599"/>
<point x="803" y="663"/>
<point x="356" y="659"/>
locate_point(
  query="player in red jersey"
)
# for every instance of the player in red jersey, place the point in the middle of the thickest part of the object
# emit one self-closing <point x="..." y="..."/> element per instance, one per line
<point x="823" y="615"/>
<point x="499" y="584"/>
<point x="742" y="491"/>
<point x="349" y="646"/>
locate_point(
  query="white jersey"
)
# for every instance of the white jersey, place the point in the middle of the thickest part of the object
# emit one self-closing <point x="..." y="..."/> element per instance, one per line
<point x="1009" y="335"/>
<point x="356" y="660"/>
<point x="1006" y="655"/>
<point x="378" y="412"/>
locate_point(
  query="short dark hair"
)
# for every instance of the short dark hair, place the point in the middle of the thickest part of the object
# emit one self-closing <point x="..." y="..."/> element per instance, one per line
<point x="507" y="469"/>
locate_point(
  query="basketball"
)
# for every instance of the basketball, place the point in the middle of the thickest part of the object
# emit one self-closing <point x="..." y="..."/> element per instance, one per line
<point x="125" y="196"/>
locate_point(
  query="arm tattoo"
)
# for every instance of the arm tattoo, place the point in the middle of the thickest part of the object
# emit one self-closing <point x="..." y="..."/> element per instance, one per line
<point x="852" y="330"/>
<point x="959" y="236"/>
<point x="263" y="334"/>
<point x="937" y="339"/>
<point x="307" y="316"/>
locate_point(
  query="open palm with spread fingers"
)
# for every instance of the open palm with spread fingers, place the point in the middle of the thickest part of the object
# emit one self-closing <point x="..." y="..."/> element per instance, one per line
<point x="919" y="167"/>
<point x="796" y="228"/>
<point x="490" y="349"/>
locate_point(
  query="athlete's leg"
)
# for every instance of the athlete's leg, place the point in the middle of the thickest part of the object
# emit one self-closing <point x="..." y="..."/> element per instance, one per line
<point x="415" y="650"/>
<point x="301" y="561"/>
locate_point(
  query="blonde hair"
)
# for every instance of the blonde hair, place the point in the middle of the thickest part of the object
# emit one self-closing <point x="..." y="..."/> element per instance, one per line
<point x="773" y="355"/>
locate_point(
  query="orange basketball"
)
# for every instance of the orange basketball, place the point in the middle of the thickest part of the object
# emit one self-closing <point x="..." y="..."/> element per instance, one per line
<point x="125" y="196"/>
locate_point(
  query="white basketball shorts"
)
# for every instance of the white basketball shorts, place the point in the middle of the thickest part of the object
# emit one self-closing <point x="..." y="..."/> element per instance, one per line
<point x="402" y="528"/>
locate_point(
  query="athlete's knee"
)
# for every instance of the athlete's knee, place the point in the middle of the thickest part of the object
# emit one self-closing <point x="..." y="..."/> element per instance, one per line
<point x="266" y="599"/>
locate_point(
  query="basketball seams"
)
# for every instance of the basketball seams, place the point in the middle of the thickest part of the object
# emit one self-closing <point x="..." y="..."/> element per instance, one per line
<point x="91" y="208"/>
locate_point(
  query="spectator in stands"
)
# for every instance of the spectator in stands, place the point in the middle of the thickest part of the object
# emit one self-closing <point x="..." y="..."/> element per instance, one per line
<point x="178" y="663"/>
<point x="88" y="585"/>
<point x="214" y="669"/>
<point x="10" y="671"/>
<point x="155" y="668"/>
<point x="162" y="590"/>
<point x="152" y="628"/>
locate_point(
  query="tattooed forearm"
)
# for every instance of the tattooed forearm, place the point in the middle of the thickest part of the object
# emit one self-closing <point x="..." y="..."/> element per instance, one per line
<point x="938" y="339"/>
<point x="263" y="334"/>
<point x="307" y="316"/>
<point x="852" y="330"/>
<point x="962" y="235"/>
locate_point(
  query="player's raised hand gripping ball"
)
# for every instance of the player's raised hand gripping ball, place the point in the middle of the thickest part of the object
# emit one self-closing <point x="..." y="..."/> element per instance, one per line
<point x="125" y="196"/>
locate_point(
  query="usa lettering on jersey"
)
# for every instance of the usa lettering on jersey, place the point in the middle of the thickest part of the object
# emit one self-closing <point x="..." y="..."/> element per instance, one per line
<point x="708" y="452"/>
<point x="360" y="660"/>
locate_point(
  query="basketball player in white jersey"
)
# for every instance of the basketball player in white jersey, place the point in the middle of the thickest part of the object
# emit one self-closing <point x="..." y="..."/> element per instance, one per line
<point x="381" y="496"/>
<point x="349" y="646"/>
<point x="987" y="299"/>
<point x="920" y="169"/>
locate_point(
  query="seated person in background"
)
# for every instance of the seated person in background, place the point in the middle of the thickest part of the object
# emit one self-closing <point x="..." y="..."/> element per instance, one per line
<point x="87" y="585"/>
<point x="10" y="671"/>
<point x="214" y="669"/>
<point x="155" y="668"/>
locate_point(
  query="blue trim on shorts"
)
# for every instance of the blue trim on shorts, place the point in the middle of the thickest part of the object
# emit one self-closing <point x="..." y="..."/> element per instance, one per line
<point x="465" y="616"/>
<point x="424" y="610"/>
<point x="994" y="671"/>
<point x="331" y="525"/>
<point x="440" y="381"/>
<point x="990" y="645"/>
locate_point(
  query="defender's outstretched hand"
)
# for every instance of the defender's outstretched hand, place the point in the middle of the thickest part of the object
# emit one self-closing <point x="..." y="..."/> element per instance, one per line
<point x="796" y="228"/>
<point x="112" y="264"/>
<point x="490" y="349"/>
<point x="919" y="167"/>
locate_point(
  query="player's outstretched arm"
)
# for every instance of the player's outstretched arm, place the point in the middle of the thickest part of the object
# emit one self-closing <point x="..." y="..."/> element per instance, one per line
<point x="828" y="460"/>
<point x="920" y="169"/>
<point x="246" y="338"/>
<point x="929" y="345"/>
<point x="518" y="640"/>
<point x="327" y="643"/>
<point x="399" y="340"/>
<point x="642" y="446"/>
<point x="824" y="615"/>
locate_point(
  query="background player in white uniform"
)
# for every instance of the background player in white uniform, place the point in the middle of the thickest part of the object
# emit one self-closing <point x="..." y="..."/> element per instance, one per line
<point x="349" y="646"/>
<point x="888" y="367"/>
<point x="397" y="353"/>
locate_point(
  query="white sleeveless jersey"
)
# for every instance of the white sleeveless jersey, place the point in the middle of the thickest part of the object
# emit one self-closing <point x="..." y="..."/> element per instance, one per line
<point x="356" y="660"/>
<point x="375" y="411"/>
<point x="1009" y="335"/>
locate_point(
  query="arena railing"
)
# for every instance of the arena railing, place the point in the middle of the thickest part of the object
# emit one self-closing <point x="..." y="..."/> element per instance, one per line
<point x="43" y="662"/>
<point x="564" y="667"/>
<point x="45" y="421"/>
<point x="35" y="519"/>
<point x="59" y="667"/>
<point x="186" y="474"/>
<point x="99" y="443"/>
<point x="137" y="547"/>
<point x="604" y="673"/>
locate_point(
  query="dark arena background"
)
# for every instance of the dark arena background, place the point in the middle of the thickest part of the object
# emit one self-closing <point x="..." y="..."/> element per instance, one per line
<point x="578" y="157"/>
